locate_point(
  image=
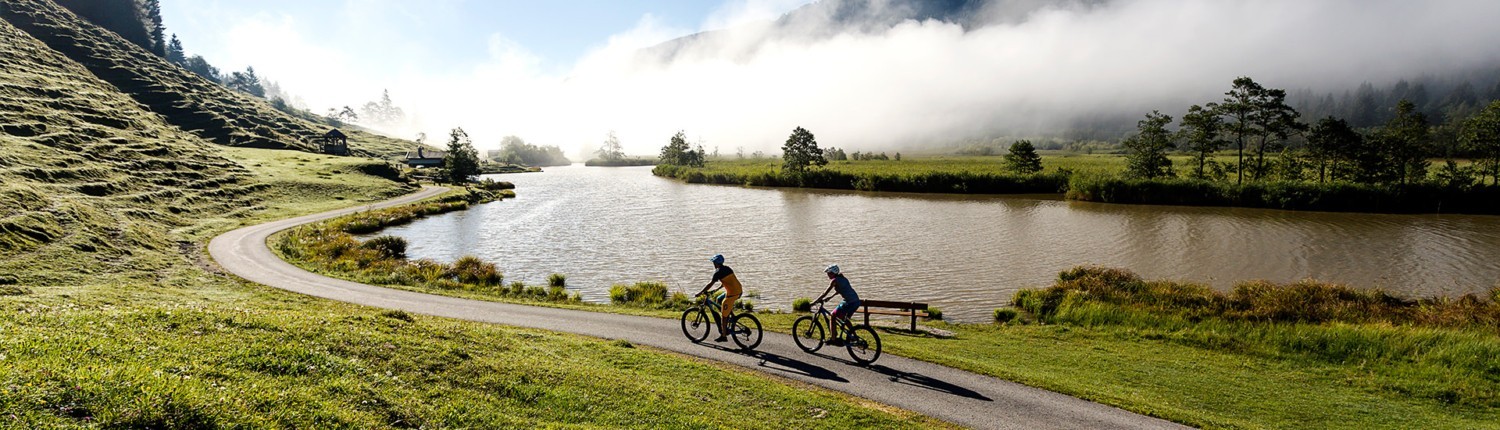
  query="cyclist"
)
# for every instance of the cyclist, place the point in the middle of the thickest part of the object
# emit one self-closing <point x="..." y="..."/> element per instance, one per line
<point x="840" y="285"/>
<point x="724" y="276"/>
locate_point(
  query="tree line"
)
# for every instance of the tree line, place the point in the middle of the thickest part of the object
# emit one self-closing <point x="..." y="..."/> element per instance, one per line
<point x="1270" y="142"/>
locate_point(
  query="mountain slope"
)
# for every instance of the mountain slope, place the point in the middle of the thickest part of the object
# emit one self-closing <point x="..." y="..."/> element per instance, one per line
<point x="186" y="100"/>
<point x="93" y="185"/>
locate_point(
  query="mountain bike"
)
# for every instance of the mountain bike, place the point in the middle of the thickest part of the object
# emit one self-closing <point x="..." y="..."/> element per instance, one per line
<point x="810" y="332"/>
<point x="702" y="318"/>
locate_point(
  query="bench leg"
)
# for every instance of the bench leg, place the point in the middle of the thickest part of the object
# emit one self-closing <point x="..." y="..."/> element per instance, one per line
<point x="914" y="320"/>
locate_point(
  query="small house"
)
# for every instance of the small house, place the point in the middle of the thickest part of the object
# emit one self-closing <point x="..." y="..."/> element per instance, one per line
<point x="423" y="157"/>
<point x="334" y="142"/>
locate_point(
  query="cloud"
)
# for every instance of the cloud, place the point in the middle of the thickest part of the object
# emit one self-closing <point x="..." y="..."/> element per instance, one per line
<point x="1016" y="68"/>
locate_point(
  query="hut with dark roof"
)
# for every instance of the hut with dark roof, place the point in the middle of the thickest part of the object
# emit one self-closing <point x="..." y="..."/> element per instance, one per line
<point x="334" y="142"/>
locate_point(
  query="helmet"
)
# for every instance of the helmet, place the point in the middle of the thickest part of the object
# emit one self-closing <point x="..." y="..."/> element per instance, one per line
<point x="717" y="259"/>
<point x="834" y="269"/>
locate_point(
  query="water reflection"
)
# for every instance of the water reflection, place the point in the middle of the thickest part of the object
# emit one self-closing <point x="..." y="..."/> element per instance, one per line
<point x="967" y="254"/>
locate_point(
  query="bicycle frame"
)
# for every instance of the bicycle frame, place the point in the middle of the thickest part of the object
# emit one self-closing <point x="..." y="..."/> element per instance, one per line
<point x="844" y="326"/>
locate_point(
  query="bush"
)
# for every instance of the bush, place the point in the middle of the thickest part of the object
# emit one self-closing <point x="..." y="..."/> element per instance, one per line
<point x="1005" y="315"/>
<point x="802" y="304"/>
<point x="745" y="305"/>
<point x="557" y="280"/>
<point x="387" y="246"/>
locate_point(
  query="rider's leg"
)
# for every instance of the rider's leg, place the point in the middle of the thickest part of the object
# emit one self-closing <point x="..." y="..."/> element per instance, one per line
<point x="726" y="309"/>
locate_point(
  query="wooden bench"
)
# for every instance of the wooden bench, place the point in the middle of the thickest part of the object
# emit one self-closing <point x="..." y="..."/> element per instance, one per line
<point x="911" y="309"/>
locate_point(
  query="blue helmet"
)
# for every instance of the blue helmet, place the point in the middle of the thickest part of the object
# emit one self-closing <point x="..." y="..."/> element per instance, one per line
<point x="717" y="259"/>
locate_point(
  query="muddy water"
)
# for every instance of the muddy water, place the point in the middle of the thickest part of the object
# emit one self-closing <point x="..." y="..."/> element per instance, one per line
<point x="966" y="254"/>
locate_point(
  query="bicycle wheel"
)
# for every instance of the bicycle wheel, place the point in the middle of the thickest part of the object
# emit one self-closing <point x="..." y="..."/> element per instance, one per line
<point x="696" y="324"/>
<point x="746" y="331"/>
<point x="808" y="333"/>
<point x="863" y="344"/>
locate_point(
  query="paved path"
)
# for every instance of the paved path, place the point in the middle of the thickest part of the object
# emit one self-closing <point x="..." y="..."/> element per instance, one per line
<point x="946" y="393"/>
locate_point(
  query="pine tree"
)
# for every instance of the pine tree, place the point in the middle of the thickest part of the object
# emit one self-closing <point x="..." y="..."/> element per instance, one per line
<point x="1201" y="128"/>
<point x="1022" y="158"/>
<point x="462" y="160"/>
<point x="677" y="151"/>
<point x="155" y="28"/>
<point x="175" y="54"/>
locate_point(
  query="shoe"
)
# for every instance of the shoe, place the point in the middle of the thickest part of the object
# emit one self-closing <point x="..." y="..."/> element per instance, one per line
<point x="721" y="339"/>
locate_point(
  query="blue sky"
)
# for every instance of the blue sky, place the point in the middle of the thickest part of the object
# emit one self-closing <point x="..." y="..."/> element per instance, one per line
<point x="451" y="32"/>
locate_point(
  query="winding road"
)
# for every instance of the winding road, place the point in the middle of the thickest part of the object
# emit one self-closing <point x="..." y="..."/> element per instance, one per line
<point x="942" y="392"/>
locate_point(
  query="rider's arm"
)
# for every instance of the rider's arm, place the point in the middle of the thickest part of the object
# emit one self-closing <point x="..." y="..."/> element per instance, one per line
<point x="825" y="296"/>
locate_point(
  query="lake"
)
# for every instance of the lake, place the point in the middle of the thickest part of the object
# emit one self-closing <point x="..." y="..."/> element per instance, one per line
<point x="965" y="254"/>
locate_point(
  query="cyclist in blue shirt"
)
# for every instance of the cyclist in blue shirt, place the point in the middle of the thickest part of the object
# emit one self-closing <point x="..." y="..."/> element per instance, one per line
<point x="838" y="284"/>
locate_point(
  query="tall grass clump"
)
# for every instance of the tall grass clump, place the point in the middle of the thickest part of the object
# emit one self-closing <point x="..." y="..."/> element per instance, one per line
<point x="387" y="246"/>
<point x="1453" y="339"/>
<point x="802" y="304"/>
<point x="649" y="295"/>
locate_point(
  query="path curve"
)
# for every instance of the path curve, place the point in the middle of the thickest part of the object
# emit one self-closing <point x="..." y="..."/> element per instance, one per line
<point x="942" y="392"/>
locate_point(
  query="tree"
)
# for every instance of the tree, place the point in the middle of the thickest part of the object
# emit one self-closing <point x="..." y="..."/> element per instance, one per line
<point x="1274" y="122"/>
<point x="1201" y="128"/>
<point x="801" y="151"/>
<point x="611" y="150"/>
<point x="1481" y="136"/>
<point x="1022" y="158"/>
<point x="383" y="111"/>
<point x="200" y="67"/>
<point x="462" y="160"/>
<point x="1332" y="142"/>
<point x="676" y="151"/>
<point x="1238" y="110"/>
<point x="246" y="82"/>
<point x="1407" y="139"/>
<point x="155" y="28"/>
<point x="1147" y="156"/>
<point x="175" y="54"/>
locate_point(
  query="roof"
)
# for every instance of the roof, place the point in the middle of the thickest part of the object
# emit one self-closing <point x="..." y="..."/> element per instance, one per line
<point x="334" y="133"/>
<point x="426" y="154"/>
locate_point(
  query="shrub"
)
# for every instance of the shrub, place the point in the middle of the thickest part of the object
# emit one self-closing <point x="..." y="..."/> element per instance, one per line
<point x="557" y="280"/>
<point x="387" y="246"/>
<point x="516" y="289"/>
<point x="745" y="305"/>
<point x="1005" y="315"/>
<point x="802" y="304"/>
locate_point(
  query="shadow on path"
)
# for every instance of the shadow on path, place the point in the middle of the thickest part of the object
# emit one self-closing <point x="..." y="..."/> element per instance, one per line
<point x="914" y="379"/>
<point x="782" y="363"/>
<point x="924" y="381"/>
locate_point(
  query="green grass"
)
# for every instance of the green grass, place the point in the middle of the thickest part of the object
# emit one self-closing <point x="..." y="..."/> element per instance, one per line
<point x="282" y="361"/>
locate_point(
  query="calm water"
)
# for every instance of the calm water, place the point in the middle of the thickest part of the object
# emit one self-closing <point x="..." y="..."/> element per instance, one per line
<point x="966" y="254"/>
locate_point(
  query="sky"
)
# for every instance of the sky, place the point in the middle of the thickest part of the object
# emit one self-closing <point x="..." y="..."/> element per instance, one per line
<point x="567" y="72"/>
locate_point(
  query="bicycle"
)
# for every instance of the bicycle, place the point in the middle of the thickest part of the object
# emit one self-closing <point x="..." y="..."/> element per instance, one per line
<point x="861" y="341"/>
<point x="700" y="320"/>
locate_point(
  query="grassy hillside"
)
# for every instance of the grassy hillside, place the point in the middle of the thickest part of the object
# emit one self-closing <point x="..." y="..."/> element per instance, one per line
<point x="113" y="317"/>
<point x="184" y="99"/>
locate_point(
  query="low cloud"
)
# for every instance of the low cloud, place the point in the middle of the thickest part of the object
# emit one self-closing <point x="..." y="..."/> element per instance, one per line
<point x="1011" y="68"/>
